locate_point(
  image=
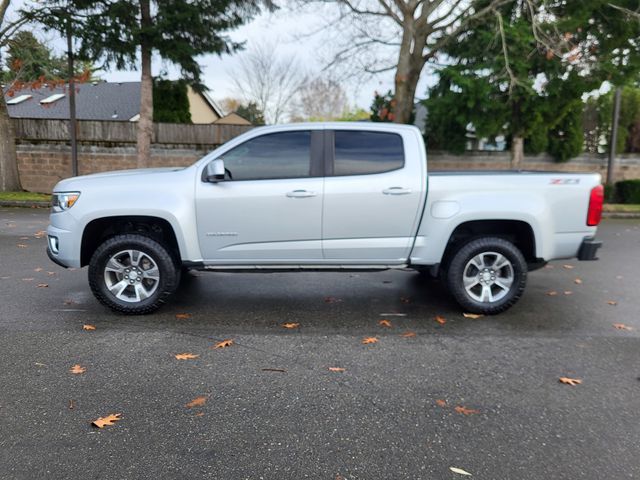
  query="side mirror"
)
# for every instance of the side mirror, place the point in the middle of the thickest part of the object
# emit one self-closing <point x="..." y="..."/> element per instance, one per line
<point x="215" y="171"/>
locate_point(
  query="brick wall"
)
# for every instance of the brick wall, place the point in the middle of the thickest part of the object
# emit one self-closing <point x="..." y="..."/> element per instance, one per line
<point x="42" y="165"/>
<point x="627" y="166"/>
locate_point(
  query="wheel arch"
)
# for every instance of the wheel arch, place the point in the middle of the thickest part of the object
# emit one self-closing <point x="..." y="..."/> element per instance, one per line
<point x="100" y="229"/>
<point x="518" y="232"/>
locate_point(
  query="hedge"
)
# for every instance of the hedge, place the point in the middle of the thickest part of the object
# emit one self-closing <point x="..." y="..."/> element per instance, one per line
<point x="627" y="191"/>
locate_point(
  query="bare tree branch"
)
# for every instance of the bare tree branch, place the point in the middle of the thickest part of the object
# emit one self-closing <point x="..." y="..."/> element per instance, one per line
<point x="271" y="82"/>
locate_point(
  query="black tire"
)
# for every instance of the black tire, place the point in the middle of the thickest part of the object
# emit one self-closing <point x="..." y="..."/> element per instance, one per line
<point x="493" y="293"/>
<point x="152" y="252"/>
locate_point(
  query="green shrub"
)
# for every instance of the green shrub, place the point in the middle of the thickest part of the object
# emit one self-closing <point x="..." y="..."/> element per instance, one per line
<point x="628" y="191"/>
<point x="609" y="192"/>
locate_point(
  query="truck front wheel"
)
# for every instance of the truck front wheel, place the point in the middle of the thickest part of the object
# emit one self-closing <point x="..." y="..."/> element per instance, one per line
<point x="487" y="275"/>
<point x="132" y="274"/>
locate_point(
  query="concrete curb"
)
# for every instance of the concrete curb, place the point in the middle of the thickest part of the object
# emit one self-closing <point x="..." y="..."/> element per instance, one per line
<point x="24" y="204"/>
<point x="620" y="214"/>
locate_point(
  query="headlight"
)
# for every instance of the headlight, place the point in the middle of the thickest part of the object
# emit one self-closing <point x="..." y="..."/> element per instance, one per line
<point x="61" y="201"/>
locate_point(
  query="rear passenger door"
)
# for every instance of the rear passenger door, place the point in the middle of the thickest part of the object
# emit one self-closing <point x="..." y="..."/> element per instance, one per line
<point x="372" y="198"/>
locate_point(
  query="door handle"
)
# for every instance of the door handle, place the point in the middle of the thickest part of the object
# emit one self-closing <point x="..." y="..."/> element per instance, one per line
<point x="396" y="191"/>
<point x="301" y="194"/>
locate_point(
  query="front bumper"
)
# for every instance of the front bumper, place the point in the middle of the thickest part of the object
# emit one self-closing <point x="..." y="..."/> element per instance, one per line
<point x="589" y="249"/>
<point x="54" y="259"/>
<point x="63" y="244"/>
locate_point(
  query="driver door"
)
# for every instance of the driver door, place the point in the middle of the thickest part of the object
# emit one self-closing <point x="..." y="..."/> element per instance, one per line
<point x="268" y="209"/>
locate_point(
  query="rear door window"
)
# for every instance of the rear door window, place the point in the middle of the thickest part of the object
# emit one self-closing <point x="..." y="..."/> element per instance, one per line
<point x="362" y="152"/>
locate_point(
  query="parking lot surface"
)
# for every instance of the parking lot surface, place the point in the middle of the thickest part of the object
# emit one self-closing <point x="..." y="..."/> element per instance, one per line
<point x="482" y="395"/>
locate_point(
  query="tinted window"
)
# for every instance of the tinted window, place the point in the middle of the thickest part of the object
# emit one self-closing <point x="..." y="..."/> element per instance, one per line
<point x="278" y="155"/>
<point x="359" y="153"/>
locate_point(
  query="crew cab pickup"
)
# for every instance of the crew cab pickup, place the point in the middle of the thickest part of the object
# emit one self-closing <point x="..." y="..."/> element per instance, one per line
<point x="322" y="197"/>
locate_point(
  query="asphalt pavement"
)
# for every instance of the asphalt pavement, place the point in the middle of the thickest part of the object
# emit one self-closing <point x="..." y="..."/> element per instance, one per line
<point x="482" y="395"/>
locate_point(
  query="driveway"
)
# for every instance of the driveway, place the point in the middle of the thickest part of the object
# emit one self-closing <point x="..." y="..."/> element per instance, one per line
<point x="482" y="395"/>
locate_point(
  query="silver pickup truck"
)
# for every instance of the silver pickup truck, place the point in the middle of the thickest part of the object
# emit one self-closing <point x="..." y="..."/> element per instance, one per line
<point x="322" y="197"/>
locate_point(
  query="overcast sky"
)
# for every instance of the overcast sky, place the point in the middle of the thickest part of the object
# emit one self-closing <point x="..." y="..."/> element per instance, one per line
<point x="283" y="29"/>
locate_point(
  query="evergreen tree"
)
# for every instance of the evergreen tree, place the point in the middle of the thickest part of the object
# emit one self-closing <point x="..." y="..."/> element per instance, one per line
<point x="251" y="112"/>
<point x="170" y="101"/>
<point x="514" y="75"/>
<point x="127" y="33"/>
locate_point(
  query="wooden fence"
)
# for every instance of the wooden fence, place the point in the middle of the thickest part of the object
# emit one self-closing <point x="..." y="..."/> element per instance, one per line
<point x="30" y="130"/>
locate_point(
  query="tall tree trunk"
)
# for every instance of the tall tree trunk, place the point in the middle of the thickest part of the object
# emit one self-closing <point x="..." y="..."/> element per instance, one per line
<point x="410" y="64"/>
<point x="9" y="179"/>
<point x="517" y="152"/>
<point x="406" y="84"/>
<point x="145" y="123"/>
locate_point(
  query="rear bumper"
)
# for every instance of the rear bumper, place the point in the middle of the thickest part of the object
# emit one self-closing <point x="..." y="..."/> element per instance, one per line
<point x="589" y="249"/>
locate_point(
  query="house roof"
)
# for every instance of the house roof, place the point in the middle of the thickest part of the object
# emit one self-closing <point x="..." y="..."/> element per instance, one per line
<point x="214" y="106"/>
<point x="94" y="101"/>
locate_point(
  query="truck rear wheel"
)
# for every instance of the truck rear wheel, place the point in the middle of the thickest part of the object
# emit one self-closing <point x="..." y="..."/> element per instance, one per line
<point x="132" y="274"/>
<point x="487" y="275"/>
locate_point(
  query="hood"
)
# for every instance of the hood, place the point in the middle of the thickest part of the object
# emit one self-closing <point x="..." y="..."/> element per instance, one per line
<point x="116" y="176"/>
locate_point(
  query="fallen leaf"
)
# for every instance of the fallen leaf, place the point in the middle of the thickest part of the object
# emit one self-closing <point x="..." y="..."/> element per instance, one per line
<point x="51" y="273"/>
<point x="384" y="323"/>
<point x="568" y="267"/>
<point x="408" y="334"/>
<point x="368" y="340"/>
<point x="21" y="245"/>
<point x="185" y="356"/>
<point x="331" y="300"/>
<point x="40" y="234"/>
<point x="472" y="315"/>
<point x="71" y="404"/>
<point x="570" y="381"/>
<point x="43" y="285"/>
<point x="37" y="269"/>
<point x="24" y="238"/>
<point x="87" y="326"/>
<point x="69" y="302"/>
<point x="622" y="326"/>
<point x="337" y="369"/>
<point x="77" y="369"/>
<point x="108" y="420"/>
<point x="199" y="414"/>
<point x="612" y="302"/>
<point x="279" y="370"/>
<point x="441" y="403"/>
<point x="465" y="410"/>
<point x="440" y="320"/>
<point x="197" y="402"/>
<point x="183" y="316"/>
<point x="459" y="471"/>
<point x="223" y="344"/>
<point x="577" y="281"/>
<point x="552" y="293"/>
<point x="568" y="292"/>
<point x="290" y="325"/>
<point x="405" y="299"/>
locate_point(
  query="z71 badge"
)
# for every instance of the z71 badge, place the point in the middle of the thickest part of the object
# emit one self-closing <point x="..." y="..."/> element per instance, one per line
<point x="564" y="181"/>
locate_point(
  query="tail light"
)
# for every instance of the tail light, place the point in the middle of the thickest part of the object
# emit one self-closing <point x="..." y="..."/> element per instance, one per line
<point x="595" y="206"/>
